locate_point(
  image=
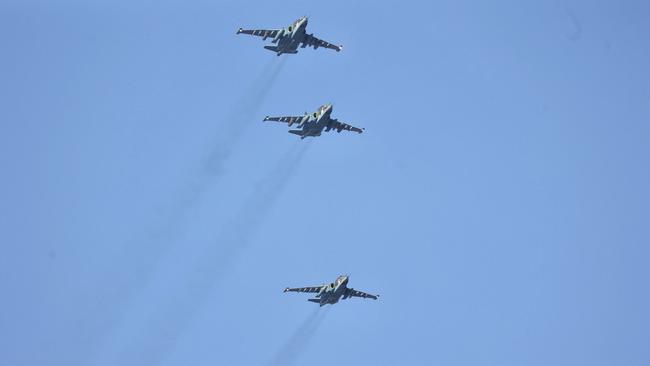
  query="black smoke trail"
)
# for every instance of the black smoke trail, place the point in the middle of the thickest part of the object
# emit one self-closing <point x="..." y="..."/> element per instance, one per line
<point x="299" y="341"/>
<point x="138" y="271"/>
<point x="159" y="328"/>
<point x="242" y="115"/>
<point x="245" y="113"/>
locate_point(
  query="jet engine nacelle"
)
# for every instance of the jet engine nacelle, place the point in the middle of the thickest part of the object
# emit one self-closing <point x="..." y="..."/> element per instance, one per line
<point x="277" y="36"/>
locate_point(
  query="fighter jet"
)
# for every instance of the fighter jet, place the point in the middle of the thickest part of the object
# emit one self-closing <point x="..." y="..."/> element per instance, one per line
<point x="288" y="39"/>
<point x="332" y="293"/>
<point x="313" y="124"/>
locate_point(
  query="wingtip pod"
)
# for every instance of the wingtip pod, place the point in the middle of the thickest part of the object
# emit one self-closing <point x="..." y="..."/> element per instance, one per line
<point x="266" y="118"/>
<point x="240" y="30"/>
<point x="286" y="289"/>
<point x="340" y="48"/>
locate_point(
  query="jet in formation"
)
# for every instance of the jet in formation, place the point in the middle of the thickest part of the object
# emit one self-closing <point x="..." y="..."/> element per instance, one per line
<point x="288" y="39"/>
<point x="333" y="292"/>
<point x="314" y="124"/>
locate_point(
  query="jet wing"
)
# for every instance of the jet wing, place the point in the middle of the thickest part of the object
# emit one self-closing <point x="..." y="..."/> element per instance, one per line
<point x="340" y="126"/>
<point x="311" y="41"/>
<point x="288" y="119"/>
<point x="265" y="33"/>
<point x="304" y="289"/>
<point x="355" y="293"/>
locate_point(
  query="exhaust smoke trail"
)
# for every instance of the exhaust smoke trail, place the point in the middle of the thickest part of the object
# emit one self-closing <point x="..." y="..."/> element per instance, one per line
<point x="244" y="114"/>
<point x="139" y="270"/>
<point x="299" y="341"/>
<point x="158" y="329"/>
<point x="257" y="207"/>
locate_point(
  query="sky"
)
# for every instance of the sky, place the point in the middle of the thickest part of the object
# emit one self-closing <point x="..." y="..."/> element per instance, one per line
<point x="497" y="201"/>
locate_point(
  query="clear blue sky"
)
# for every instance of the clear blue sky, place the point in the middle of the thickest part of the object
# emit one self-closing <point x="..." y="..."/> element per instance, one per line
<point x="498" y="200"/>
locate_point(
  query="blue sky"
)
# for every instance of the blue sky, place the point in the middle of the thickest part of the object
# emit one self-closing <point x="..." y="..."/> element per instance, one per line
<point x="498" y="200"/>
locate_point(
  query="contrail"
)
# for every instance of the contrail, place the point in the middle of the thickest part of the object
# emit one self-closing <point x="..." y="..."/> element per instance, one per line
<point x="577" y="26"/>
<point x="268" y="190"/>
<point x="159" y="328"/>
<point x="245" y="113"/>
<point x="299" y="341"/>
<point x="139" y="270"/>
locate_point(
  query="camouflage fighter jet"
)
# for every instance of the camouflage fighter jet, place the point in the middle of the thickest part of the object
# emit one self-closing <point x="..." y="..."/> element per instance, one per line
<point x="313" y="124"/>
<point x="288" y="39"/>
<point x="332" y="293"/>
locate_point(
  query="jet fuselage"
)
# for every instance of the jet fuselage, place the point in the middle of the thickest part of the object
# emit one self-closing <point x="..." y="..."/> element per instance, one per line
<point x="291" y="37"/>
<point x="316" y="123"/>
<point x="332" y="293"/>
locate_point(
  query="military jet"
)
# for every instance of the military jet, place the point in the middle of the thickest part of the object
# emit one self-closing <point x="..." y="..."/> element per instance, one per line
<point x="288" y="39"/>
<point x="313" y="124"/>
<point x="332" y="293"/>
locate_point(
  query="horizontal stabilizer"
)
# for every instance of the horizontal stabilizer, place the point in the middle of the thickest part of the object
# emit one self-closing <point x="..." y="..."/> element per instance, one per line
<point x="314" y="300"/>
<point x="277" y="50"/>
<point x="297" y="132"/>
